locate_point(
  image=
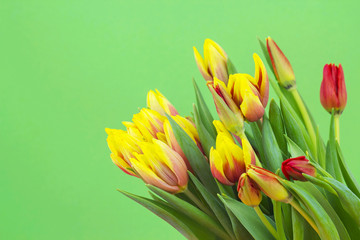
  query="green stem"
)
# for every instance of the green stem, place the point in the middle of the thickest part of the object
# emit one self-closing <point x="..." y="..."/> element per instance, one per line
<point x="337" y="127"/>
<point x="198" y="203"/>
<point x="305" y="116"/>
<point x="266" y="222"/>
<point x="307" y="217"/>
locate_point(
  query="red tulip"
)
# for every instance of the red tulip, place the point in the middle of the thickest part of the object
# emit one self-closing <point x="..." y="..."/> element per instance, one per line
<point x="295" y="167"/>
<point x="333" y="90"/>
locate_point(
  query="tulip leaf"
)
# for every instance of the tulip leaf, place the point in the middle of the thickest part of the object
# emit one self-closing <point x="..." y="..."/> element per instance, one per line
<point x="349" y="201"/>
<point x="348" y="177"/>
<point x="248" y="218"/>
<point x="279" y="220"/>
<point x="182" y="223"/>
<point x="315" y="192"/>
<point x="294" y="149"/>
<point x="327" y="228"/>
<point x="216" y="206"/>
<point x="192" y="212"/>
<point x="277" y="124"/>
<point x="298" y="223"/>
<point x="204" y="113"/>
<point x="195" y="157"/>
<point x="272" y="152"/>
<point x="321" y="149"/>
<point x="266" y="54"/>
<point x="257" y="138"/>
<point x="230" y="67"/>
<point x="206" y="139"/>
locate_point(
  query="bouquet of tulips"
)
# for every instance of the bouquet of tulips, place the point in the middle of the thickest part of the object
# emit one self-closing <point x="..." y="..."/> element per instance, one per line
<point x="252" y="174"/>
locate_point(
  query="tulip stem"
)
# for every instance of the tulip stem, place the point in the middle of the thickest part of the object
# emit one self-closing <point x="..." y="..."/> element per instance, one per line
<point x="266" y="222"/>
<point x="337" y="127"/>
<point x="305" y="115"/>
<point x="305" y="215"/>
<point x="198" y="202"/>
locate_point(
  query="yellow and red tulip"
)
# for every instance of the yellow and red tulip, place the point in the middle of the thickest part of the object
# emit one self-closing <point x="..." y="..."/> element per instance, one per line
<point x="248" y="191"/>
<point x="214" y="63"/>
<point x="281" y="65"/>
<point x="122" y="146"/>
<point x="161" y="166"/>
<point x="269" y="184"/>
<point x="150" y="124"/>
<point x="227" y="160"/>
<point x="226" y="108"/>
<point x="156" y="101"/>
<point x="295" y="167"/>
<point x="333" y="93"/>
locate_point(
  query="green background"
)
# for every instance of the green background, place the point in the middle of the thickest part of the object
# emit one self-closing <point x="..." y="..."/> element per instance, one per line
<point x="68" y="69"/>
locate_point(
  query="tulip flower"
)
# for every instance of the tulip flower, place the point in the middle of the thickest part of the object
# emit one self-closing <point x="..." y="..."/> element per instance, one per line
<point x="227" y="160"/>
<point x="295" y="167"/>
<point x="226" y="108"/>
<point x="214" y="63"/>
<point x="269" y="184"/>
<point x="150" y="124"/>
<point x="281" y="65"/>
<point x="189" y="128"/>
<point x="156" y="101"/>
<point x="248" y="191"/>
<point x="122" y="146"/>
<point x="161" y="166"/>
<point x="333" y="90"/>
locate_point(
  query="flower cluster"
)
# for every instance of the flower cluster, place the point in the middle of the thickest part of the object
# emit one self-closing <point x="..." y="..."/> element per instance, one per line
<point x="210" y="171"/>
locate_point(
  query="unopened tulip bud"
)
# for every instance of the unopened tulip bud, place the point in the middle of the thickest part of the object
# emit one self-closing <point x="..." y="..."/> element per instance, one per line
<point x="269" y="184"/>
<point x="156" y="101"/>
<point x="161" y="166"/>
<point x="295" y="167"/>
<point x="227" y="160"/>
<point x="226" y="108"/>
<point x="248" y="191"/>
<point x="214" y="63"/>
<point x="333" y="90"/>
<point x="150" y="123"/>
<point x="281" y="65"/>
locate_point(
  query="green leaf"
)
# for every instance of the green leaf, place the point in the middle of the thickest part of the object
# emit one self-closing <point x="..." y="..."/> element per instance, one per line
<point x="192" y="212"/>
<point x="279" y="220"/>
<point x="348" y="177"/>
<point x="206" y="139"/>
<point x="321" y="149"/>
<point x="293" y="127"/>
<point x="266" y="54"/>
<point x="327" y="228"/>
<point x="294" y="149"/>
<point x="196" y="159"/>
<point x="204" y="113"/>
<point x="328" y="208"/>
<point x="257" y="138"/>
<point x="215" y="205"/>
<point x="277" y="124"/>
<point x="349" y="201"/>
<point x="230" y="67"/>
<point x="176" y="219"/>
<point x="272" y="153"/>
<point x="298" y="223"/>
<point x="248" y="218"/>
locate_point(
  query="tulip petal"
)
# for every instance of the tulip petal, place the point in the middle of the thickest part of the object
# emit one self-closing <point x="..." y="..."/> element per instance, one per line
<point x="251" y="107"/>
<point x="261" y="79"/>
<point x="202" y="66"/>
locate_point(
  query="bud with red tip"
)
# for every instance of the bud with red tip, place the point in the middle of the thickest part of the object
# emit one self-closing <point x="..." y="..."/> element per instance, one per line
<point x="333" y="90"/>
<point x="248" y="191"/>
<point x="268" y="183"/>
<point x="295" y="167"/>
<point x="281" y="65"/>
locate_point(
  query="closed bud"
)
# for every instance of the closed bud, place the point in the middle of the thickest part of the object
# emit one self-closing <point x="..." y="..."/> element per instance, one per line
<point x="248" y="191"/>
<point x="214" y="63"/>
<point x="160" y="166"/>
<point x="227" y="160"/>
<point x="333" y="90"/>
<point x="295" y="167"/>
<point x="157" y="102"/>
<point x="269" y="184"/>
<point x="281" y="65"/>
